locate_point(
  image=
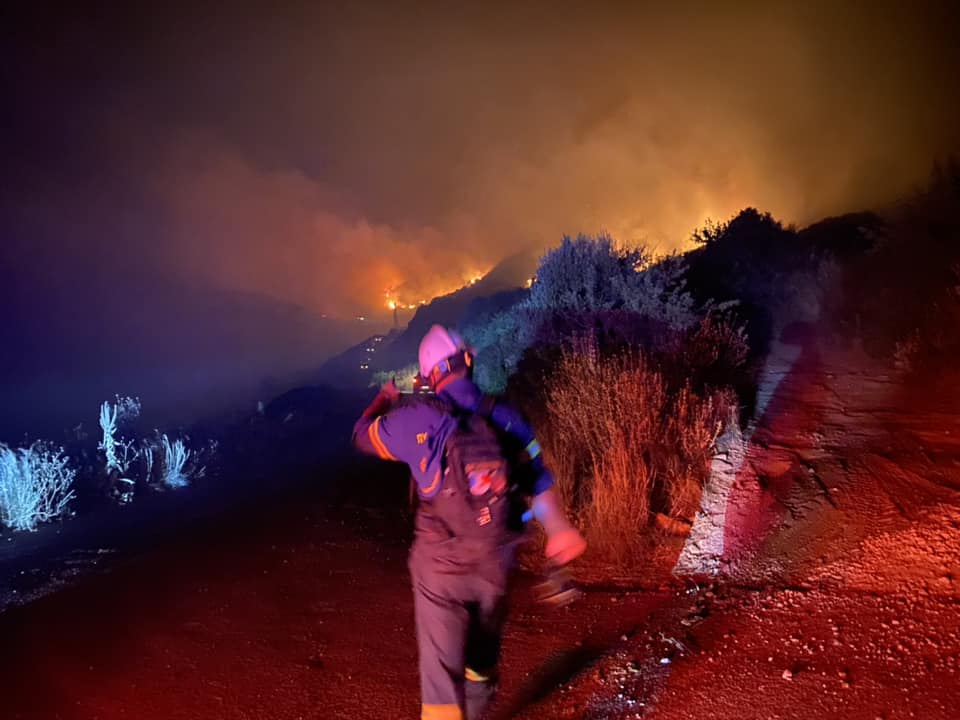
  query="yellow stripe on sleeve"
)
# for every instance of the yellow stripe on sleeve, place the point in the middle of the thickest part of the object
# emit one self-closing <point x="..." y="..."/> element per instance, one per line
<point x="377" y="441"/>
<point x="433" y="486"/>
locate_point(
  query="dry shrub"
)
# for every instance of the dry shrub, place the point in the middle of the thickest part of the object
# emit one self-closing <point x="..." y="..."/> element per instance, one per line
<point x="713" y="354"/>
<point x="625" y="446"/>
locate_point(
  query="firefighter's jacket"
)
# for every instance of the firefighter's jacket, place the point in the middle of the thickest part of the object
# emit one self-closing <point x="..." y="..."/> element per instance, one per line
<point x="416" y="433"/>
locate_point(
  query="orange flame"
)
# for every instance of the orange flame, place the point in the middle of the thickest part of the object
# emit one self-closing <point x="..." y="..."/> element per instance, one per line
<point x="394" y="299"/>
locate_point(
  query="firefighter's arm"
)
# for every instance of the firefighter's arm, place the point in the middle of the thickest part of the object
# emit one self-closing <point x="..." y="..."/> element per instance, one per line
<point x="367" y="432"/>
<point x="564" y="541"/>
<point x="512" y="422"/>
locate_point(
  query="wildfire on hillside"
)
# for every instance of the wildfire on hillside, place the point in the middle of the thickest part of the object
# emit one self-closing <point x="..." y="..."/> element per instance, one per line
<point x="399" y="297"/>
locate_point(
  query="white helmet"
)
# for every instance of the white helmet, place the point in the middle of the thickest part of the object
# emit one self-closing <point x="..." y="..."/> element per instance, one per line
<point x="438" y="345"/>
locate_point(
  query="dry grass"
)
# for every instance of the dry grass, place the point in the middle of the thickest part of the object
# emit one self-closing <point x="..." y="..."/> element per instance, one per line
<point x="625" y="445"/>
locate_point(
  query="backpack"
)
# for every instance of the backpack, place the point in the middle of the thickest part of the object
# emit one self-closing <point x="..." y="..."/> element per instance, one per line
<point x="476" y="502"/>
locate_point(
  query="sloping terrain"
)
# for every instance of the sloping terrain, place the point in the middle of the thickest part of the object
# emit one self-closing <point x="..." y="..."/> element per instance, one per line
<point x="499" y="289"/>
<point x="188" y="352"/>
<point x="832" y="592"/>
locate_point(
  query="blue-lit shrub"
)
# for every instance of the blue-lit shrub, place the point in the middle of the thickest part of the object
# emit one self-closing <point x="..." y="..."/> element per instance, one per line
<point x="175" y="456"/>
<point x="119" y="453"/>
<point x="35" y="485"/>
<point x="108" y="424"/>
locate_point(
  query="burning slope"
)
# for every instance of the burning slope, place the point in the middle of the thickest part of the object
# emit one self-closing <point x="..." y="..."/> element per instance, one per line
<point x="500" y="287"/>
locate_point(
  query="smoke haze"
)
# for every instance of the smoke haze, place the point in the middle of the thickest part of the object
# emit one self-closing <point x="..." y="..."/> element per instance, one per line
<point x="325" y="156"/>
<point x="321" y="157"/>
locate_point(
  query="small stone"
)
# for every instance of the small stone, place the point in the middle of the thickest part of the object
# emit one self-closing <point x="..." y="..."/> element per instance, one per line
<point x="787" y="675"/>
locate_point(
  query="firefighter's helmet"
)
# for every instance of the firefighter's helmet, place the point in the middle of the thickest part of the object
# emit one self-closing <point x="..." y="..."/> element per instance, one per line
<point x="441" y="352"/>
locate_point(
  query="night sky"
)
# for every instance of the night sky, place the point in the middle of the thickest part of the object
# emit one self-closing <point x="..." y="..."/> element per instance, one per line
<point x="318" y="156"/>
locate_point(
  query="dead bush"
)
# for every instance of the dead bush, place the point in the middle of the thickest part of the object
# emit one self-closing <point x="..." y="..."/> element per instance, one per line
<point x="624" y="446"/>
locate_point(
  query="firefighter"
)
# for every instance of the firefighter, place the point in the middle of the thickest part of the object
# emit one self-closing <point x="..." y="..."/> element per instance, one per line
<point x="459" y="598"/>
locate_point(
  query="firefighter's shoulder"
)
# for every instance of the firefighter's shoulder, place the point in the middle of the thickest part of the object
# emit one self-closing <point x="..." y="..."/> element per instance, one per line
<point x="413" y="422"/>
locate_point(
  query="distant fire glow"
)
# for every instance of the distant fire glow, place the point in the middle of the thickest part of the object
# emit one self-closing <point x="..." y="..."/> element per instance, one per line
<point x="396" y="299"/>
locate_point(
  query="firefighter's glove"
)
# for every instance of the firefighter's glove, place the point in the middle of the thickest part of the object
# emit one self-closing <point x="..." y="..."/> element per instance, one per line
<point x="384" y="400"/>
<point x="565" y="546"/>
<point x="564" y="542"/>
<point x="390" y="391"/>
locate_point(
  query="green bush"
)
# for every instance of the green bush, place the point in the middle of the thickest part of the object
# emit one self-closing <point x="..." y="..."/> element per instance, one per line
<point x="403" y="377"/>
<point x="575" y="283"/>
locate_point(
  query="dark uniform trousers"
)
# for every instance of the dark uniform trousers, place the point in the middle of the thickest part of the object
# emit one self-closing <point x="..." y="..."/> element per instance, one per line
<point x="460" y="610"/>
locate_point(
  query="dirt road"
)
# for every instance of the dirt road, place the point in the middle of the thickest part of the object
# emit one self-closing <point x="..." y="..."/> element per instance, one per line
<point x="837" y="586"/>
<point x="838" y="599"/>
<point x="299" y="616"/>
